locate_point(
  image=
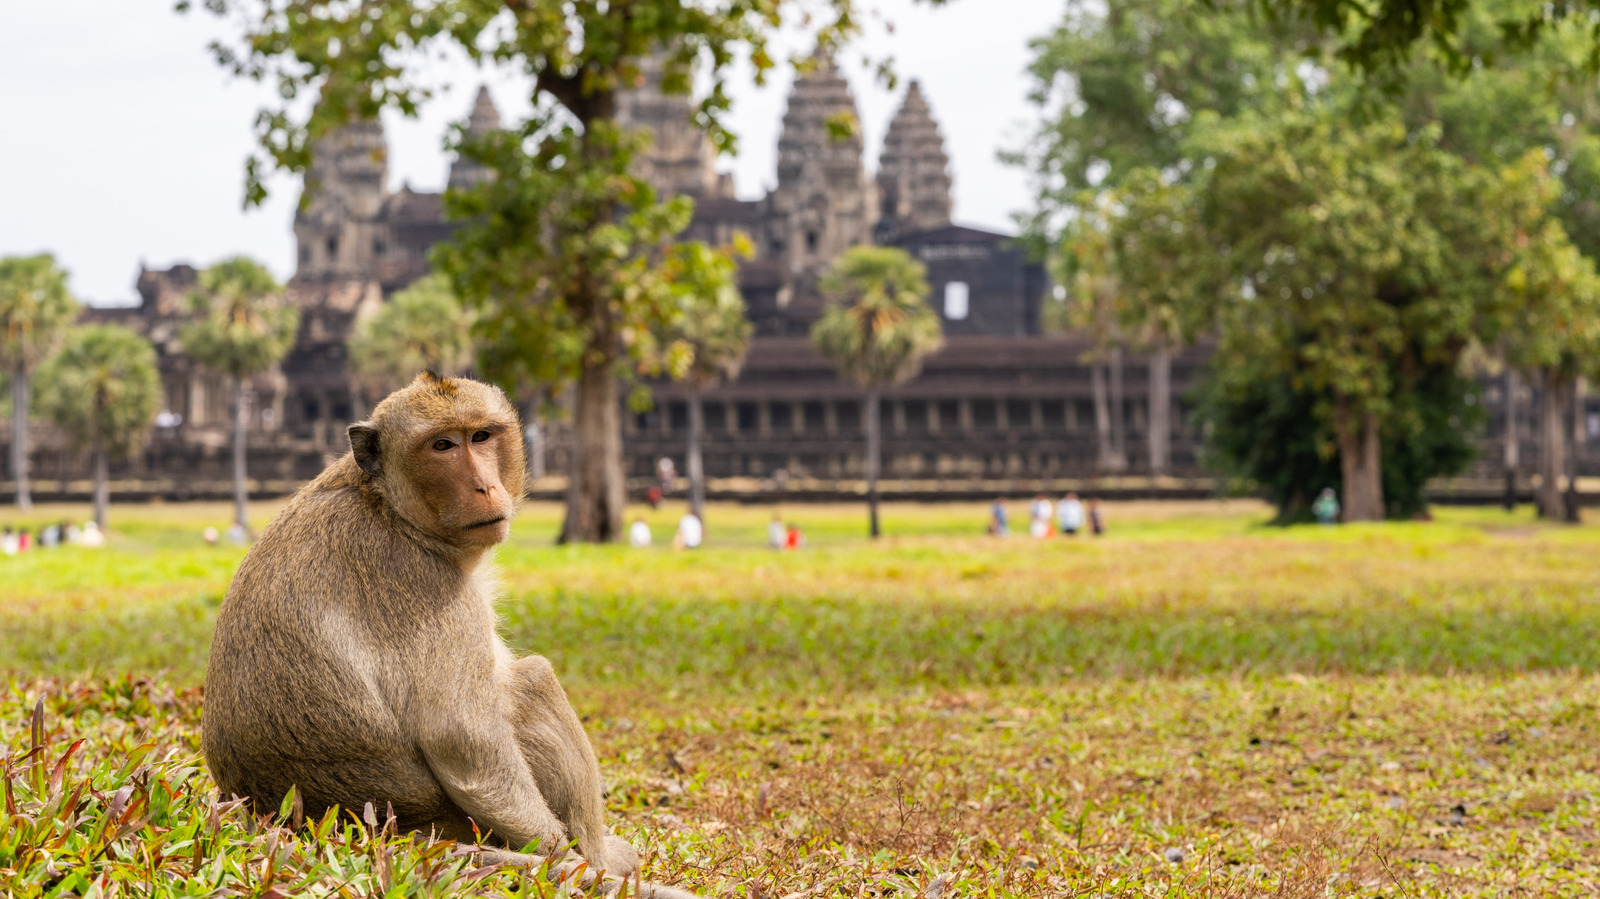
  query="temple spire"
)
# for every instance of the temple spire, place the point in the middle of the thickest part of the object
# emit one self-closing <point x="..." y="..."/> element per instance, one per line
<point x="483" y="119"/>
<point x="913" y="171"/>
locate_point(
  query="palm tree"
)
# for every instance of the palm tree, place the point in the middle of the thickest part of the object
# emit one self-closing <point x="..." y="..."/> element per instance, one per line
<point x="422" y="328"/>
<point x="241" y="327"/>
<point x="715" y="330"/>
<point x="103" y="390"/>
<point x="35" y="306"/>
<point x="876" y="330"/>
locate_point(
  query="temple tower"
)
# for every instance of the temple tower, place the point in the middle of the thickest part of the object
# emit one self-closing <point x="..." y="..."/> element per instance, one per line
<point x="823" y="203"/>
<point x="483" y="119"/>
<point x="338" y="229"/>
<point x="680" y="160"/>
<point x="913" y="172"/>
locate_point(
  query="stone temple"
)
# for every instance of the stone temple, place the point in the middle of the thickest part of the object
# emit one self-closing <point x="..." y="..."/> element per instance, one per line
<point x="1001" y="406"/>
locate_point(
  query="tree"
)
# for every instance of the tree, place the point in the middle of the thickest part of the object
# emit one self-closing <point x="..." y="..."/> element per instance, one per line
<point x="1090" y="289"/>
<point x="876" y="330"/>
<point x="1121" y="89"/>
<point x="35" y="306"/>
<point x="421" y="328"/>
<point x="1169" y="283"/>
<point x="103" y="390"/>
<point x="241" y="326"/>
<point x="711" y="338"/>
<point x="1361" y="255"/>
<point x="1552" y="331"/>
<point x="562" y="248"/>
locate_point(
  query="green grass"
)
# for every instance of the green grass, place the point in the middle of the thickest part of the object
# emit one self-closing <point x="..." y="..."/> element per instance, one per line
<point x="1404" y="709"/>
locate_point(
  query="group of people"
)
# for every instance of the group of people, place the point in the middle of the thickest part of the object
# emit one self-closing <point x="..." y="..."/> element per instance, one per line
<point x="782" y="536"/>
<point x="690" y="534"/>
<point x="1069" y="516"/>
<point x="64" y="533"/>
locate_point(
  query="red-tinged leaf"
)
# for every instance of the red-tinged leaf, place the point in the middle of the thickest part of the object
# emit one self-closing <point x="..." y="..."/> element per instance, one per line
<point x="38" y="723"/>
<point x="479" y="873"/>
<point x="60" y="770"/>
<point x="119" y="803"/>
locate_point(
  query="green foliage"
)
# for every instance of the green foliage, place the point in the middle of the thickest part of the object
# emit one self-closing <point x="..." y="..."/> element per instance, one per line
<point x="423" y="327"/>
<point x="35" y="305"/>
<point x="877" y="327"/>
<point x="359" y="59"/>
<point x="711" y="335"/>
<point x="1123" y="87"/>
<point x="102" y="388"/>
<point x="241" y="324"/>
<point x="591" y="281"/>
<point x="1255" y="430"/>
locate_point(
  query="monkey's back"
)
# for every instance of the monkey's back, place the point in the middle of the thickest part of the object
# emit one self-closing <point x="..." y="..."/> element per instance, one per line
<point x="308" y="676"/>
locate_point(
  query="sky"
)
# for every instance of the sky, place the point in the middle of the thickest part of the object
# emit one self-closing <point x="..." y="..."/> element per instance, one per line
<point x="123" y="144"/>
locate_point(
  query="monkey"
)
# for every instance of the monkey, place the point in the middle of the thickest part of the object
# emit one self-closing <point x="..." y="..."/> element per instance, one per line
<point x="356" y="658"/>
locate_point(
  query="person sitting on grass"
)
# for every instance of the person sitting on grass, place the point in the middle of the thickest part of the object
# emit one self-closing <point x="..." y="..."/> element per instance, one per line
<point x="1039" y="517"/>
<point x="777" y="534"/>
<point x="690" y="531"/>
<point x="639" y="534"/>
<point x="1325" y="508"/>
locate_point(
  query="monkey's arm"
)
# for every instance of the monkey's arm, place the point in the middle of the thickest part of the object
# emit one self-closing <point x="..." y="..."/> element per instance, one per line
<point x="477" y="762"/>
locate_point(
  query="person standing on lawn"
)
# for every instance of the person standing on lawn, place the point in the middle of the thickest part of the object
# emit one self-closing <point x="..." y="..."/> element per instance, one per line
<point x="1069" y="513"/>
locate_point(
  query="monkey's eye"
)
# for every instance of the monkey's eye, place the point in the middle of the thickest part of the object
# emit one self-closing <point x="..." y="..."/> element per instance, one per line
<point x="443" y="445"/>
<point x="480" y="436"/>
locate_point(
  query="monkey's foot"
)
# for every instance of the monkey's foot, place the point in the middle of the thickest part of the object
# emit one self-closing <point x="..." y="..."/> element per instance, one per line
<point x="578" y="870"/>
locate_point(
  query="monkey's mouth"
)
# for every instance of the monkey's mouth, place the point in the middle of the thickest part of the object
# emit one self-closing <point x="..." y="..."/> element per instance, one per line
<point x="484" y="524"/>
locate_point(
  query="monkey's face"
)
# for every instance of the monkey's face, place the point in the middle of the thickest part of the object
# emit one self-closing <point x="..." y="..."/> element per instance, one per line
<point x="447" y="455"/>
<point x="457" y="472"/>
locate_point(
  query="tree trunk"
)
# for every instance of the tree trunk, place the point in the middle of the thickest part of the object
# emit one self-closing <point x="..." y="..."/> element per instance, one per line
<point x="1574" y="506"/>
<point x="1102" y="414"/>
<point x="19" y="436"/>
<point x="241" y="496"/>
<point x="873" y="451"/>
<point x="1361" y="463"/>
<point x="1552" y="445"/>
<point x="536" y="441"/>
<point x="102" y="485"/>
<point x="1119" y="409"/>
<point x="1512" y="456"/>
<point x="596" y="492"/>
<point x="695" y="464"/>
<point x="1160" y="418"/>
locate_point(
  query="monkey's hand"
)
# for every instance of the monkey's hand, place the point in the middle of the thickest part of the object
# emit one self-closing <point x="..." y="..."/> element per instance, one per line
<point x="621" y="860"/>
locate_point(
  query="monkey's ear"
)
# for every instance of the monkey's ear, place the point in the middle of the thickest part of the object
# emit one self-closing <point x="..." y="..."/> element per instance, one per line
<point x="364" y="446"/>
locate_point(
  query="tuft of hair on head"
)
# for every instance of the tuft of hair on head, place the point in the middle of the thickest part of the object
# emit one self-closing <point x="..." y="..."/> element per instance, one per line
<point x="429" y="378"/>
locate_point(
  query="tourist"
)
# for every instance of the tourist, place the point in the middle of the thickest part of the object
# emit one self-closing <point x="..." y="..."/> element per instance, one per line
<point x="71" y="534"/>
<point x="793" y="539"/>
<point x="653" y="496"/>
<point x="639" y="534"/>
<point x="690" y="531"/>
<point x="1097" y="518"/>
<point x="777" y="534"/>
<point x="1039" y="514"/>
<point x="667" y="474"/>
<point x="8" y="542"/>
<point x="24" y="540"/>
<point x="210" y="536"/>
<point x="92" y="535"/>
<point x="236" y="534"/>
<point x="1069" y="512"/>
<point x="998" y="526"/>
<point x="50" y="537"/>
<point x="1325" y="508"/>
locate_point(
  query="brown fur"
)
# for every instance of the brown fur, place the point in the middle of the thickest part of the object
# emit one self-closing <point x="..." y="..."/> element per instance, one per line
<point x="356" y="658"/>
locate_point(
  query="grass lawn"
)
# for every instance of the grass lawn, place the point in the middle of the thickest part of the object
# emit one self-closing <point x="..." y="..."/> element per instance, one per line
<point x="1192" y="705"/>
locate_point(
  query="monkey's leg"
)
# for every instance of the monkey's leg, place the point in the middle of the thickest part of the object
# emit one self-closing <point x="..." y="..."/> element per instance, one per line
<point x="562" y="762"/>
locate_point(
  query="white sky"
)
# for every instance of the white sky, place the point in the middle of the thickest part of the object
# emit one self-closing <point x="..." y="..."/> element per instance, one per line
<point x="121" y="141"/>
